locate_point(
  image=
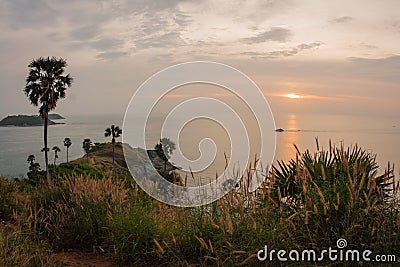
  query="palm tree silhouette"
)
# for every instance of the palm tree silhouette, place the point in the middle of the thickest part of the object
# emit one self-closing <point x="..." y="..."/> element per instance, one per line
<point x="34" y="167"/>
<point x="87" y="144"/>
<point x="114" y="132"/>
<point x="67" y="143"/>
<point x="56" y="149"/>
<point x="45" y="149"/>
<point x="45" y="85"/>
<point x="164" y="150"/>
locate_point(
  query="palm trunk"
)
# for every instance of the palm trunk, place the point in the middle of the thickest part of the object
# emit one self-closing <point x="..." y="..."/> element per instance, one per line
<point x="46" y="157"/>
<point x="67" y="156"/>
<point x="55" y="168"/>
<point x="113" y="143"/>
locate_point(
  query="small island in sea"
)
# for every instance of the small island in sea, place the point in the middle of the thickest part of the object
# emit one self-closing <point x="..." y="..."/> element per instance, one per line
<point x="28" y="120"/>
<point x="55" y="116"/>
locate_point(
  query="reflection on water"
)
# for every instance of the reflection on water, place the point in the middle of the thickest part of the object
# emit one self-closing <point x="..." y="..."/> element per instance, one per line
<point x="285" y="147"/>
<point x="380" y="136"/>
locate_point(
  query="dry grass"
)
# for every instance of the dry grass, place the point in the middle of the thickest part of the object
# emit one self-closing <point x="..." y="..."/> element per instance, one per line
<point x="309" y="206"/>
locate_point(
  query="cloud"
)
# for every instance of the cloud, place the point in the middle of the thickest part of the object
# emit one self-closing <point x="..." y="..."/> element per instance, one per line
<point x="25" y="13"/>
<point x="283" y="52"/>
<point x="344" y="19"/>
<point x="124" y="7"/>
<point x="84" y="33"/>
<point x="312" y="97"/>
<point x="111" y="55"/>
<point x="163" y="40"/>
<point x="106" y="43"/>
<point x="160" y="30"/>
<point x="277" y="34"/>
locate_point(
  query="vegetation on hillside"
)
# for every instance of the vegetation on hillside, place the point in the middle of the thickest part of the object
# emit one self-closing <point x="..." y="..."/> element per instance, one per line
<point x="308" y="203"/>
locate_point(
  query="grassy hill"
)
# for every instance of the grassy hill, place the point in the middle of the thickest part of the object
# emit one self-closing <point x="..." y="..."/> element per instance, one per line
<point x="99" y="161"/>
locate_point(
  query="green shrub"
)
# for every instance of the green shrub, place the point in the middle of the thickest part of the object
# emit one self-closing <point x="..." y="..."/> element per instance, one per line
<point x="338" y="194"/>
<point x="133" y="233"/>
<point x="77" y="169"/>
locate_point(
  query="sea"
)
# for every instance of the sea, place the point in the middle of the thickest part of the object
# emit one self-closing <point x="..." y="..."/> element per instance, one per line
<point x="378" y="135"/>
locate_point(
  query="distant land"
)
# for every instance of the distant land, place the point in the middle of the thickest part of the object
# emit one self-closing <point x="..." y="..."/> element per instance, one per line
<point x="55" y="116"/>
<point x="28" y="120"/>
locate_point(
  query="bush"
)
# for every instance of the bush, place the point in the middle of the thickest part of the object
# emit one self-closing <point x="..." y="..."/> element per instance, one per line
<point x="78" y="169"/>
<point x="338" y="194"/>
<point x="21" y="249"/>
<point x="75" y="211"/>
<point x="7" y="198"/>
<point x="132" y="235"/>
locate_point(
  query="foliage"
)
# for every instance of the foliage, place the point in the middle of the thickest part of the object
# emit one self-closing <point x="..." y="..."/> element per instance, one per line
<point x="34" y="174"/>
<point x="86" y="146"/>
<point x="67" y="144"/>
<point x="164" y="150"/>
<point x="7" y="202"/>
<point x="114" y="132"/>
<point x="76" y="168"/>
<point x="45" y="85"/>
<point x="22" y="249"/>
<point x="322" y="204"/>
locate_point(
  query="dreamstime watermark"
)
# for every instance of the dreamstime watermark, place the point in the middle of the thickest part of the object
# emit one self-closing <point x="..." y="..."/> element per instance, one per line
<point x="340" y="253"/>
<point x="155" y="89"/>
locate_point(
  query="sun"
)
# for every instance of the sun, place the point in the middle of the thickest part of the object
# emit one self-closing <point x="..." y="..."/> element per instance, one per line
<point x="292" y="96"/>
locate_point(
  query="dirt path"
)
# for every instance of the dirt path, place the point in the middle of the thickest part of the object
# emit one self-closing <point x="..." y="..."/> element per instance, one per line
<point x="76" y="258"/>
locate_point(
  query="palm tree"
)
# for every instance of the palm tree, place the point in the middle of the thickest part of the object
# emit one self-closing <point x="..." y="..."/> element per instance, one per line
<point x="164" y="150"/>
<point x="67" y="143"/>
<point x="45" y="85"/>
<point x="87" y="144"/>
<point x="56" y="149"/>
<point x="114" y="132"/>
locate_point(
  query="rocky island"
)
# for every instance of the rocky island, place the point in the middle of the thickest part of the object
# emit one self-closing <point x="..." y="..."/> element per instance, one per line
<point x="28" y="120"/>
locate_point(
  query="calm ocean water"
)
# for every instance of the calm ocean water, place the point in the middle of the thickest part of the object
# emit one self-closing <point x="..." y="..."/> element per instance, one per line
<point x="381" y="136"/>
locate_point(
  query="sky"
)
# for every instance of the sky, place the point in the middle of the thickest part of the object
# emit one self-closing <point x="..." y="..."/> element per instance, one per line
<point x="307" y="56"/>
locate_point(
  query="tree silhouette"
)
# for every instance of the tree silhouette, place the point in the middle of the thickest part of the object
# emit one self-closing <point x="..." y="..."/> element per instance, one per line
<point x="56" y="149"/>
<point x="45" y="85"/>
<point x="164" y="150"/>
<point x="33" y="166"/>
<point x="34" y="169"/>
<point x="31" y="159"/>
<point x="45" y="149"/>
<point x="87" y="144"/>
<point x="114" y="132"/>
<point x="67" y="143"/>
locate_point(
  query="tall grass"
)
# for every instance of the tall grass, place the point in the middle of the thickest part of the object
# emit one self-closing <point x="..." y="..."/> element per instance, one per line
<point x="307" y="203"/>
<point x="19" y="248"/>
<point x="7" y="199"/>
